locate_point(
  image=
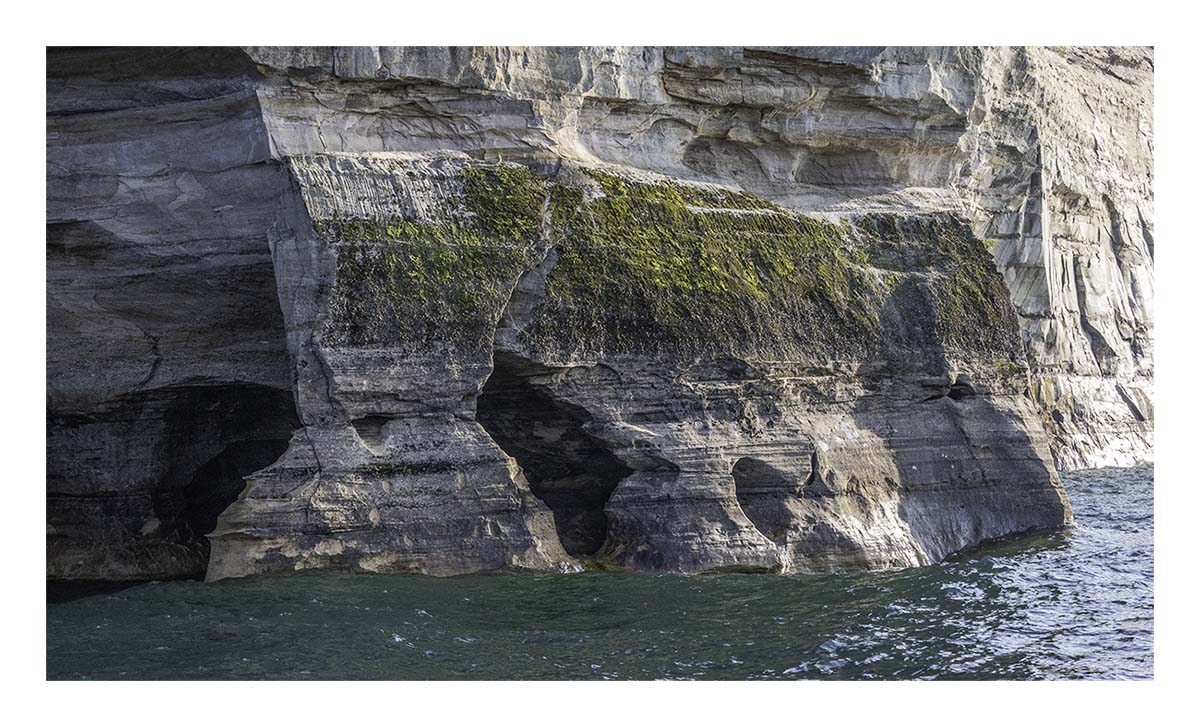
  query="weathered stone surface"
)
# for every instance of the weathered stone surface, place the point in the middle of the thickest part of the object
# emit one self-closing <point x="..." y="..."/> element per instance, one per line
<point x="1047" y="150"/>
<point x="657" y="341"/>
<point x="167" y="370"/>
<point x="1062" y="178"/>
<point x="247" y="246"/>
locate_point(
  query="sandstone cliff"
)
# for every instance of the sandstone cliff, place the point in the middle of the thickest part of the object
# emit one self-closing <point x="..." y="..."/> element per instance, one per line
<point x="697" y="309"/>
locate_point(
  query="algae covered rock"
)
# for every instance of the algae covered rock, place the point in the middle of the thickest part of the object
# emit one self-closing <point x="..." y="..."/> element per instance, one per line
<point x="678" y="376"/>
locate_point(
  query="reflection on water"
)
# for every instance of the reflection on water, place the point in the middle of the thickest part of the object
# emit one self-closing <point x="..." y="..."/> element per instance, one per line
<point x="1074" y="605"/>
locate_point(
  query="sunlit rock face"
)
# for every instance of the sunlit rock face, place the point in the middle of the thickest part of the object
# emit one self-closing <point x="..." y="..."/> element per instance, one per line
<point x="1047" y="151"/>
<point x="534" y="367"/>
<point x="1061" y="177"/>
<point x="462" y="309"/>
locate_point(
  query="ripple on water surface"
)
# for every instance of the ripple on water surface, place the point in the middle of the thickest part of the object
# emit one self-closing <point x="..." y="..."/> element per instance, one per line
<point x="1077" y="605"/>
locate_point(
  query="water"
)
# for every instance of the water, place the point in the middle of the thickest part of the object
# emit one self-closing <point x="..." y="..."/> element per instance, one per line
<point x="1077" y="605"/>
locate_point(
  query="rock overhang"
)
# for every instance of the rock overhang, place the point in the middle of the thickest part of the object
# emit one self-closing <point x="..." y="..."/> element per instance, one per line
<point x="692" y="326"/>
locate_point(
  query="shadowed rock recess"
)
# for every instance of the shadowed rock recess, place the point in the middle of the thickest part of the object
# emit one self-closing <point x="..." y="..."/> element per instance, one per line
<point x="458" y="310"/>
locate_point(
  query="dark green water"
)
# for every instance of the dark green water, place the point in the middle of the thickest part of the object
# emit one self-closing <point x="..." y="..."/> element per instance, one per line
<point x="1077" y="605"/>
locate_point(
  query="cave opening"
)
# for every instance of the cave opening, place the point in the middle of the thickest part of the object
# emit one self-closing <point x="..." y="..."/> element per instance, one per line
<point x="249" y="428"/>
<point x="219" y="482"/>
<point x="569" y="469"/>
<point x="763" y="493"/>
<point x="166" y="462"/>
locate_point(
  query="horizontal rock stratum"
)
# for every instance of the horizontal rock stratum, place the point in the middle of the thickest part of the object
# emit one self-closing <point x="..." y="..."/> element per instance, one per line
<point x="451" y="310"/>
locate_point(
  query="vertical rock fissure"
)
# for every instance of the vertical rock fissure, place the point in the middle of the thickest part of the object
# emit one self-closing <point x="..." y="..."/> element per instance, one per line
<point x="569" y="469"/>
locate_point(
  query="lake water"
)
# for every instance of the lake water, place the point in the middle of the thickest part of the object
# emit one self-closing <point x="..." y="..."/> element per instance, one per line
<point x="1077" y="605"/>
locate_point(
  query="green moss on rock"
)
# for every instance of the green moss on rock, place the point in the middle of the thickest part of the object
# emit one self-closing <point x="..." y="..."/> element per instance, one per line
<point x="507" y="201"/>
<point x="654" y="267"/>
<point x="974" y="311"/>
<point x="656" y="264"/>
<point x="405" y="281"/>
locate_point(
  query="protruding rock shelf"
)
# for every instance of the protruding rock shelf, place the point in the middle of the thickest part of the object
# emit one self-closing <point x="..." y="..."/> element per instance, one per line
<point x="472" y="309"/>
<point x="566" y="363"/>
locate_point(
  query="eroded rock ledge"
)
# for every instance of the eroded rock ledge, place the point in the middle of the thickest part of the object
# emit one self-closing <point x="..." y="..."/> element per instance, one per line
<point x="683" y="377"/>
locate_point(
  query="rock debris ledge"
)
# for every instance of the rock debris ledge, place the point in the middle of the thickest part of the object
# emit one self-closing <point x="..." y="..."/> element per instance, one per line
<point x="686" y="377"/>
<point x="321" y="268"/>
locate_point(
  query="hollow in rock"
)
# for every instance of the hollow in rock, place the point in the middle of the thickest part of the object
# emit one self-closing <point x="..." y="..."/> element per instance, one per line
<point x="570" y="470"/>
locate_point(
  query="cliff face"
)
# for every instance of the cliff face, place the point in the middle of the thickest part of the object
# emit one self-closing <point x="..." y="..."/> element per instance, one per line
<point x="1061" y="176"/>
<point x="1047" y="151"/>
<point x="684" y="377"/>
<point x="461" y="309"/>
<point x="167" y="369"/>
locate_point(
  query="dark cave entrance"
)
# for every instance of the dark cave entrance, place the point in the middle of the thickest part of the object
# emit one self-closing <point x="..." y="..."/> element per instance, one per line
<point x="763" y="493"/>
<point x="181" y="454"/>
<point x="219" y="481"/>
<point x="570" y="470"/>
<point x="249" y="428"/>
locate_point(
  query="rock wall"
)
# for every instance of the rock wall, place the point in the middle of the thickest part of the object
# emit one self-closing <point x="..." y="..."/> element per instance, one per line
<point x="1061" y="176"/>
<point x="325" y="260"/>
<point x="1048" y="151"/>
<point x="684" y="377"/>
<point x="168" y="376"/>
